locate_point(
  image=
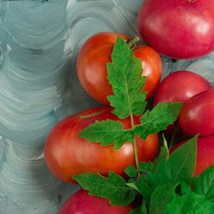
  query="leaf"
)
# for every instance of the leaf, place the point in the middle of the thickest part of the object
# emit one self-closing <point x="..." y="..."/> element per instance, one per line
<point x="178" y="167"/>
<point x="106" y="133"/>
<point x="131" y="171"/>
<point x="164" y="151"/>
<point x="125" y="76"/>
<point x="152" y="166"/>
<point x="162" y="157"/>
<point x="182" y="161"/>
<point x="146" y="190"/>
<point x="157" y="119"/>
<point x="204" y="184"/>
<point x="112" y="187"/>
<point x="146" y="166"/>
<point x="190" y="203"/>
<point x="162" y="195"/>
<point x="185" y="188"/>
<point x="141" y="209"/>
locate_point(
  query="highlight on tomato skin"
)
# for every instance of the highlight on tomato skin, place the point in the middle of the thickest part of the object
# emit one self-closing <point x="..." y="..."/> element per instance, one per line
<point x="66" y="154"/>
<point x="96" y="52"/>
<point x="205" y="153"/>
<point x="83" y="203"/>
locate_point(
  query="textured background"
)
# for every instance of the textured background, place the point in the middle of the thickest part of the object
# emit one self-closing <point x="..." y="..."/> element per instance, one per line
<point x="39" y="42"/>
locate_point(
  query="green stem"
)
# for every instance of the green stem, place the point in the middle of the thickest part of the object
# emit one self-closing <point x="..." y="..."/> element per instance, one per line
<point x="132" y="42"/>
<point x="135" y="147"/>
<point x="136" y="157"/>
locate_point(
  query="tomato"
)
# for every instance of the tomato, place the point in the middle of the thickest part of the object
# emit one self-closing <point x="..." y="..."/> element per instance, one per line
<point x="96" y="52"/>
<point x="205" y="153"/>
<point x="152" y="67"/>
<point x="197" y="114"/>
<point x="67" y="154"/>
<point x="83" y="203"/>
<point x="178" y="29"/>
<point x="180" y="86"/>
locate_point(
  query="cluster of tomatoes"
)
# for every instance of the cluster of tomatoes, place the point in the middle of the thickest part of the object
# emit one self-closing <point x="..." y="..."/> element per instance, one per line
<point x="67" y="154"/>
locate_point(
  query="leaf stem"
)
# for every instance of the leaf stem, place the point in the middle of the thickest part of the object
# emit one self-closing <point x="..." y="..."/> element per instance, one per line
<point x="132" y="42"/>
<point x="135" y="147"/>
<point x="136" y="156"/>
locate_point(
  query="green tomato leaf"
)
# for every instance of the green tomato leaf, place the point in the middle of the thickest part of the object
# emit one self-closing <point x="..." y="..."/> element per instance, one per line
<point x="162" y="157"/>
<point x="131" y="171"/>
<point x="141" y="209"/>
<point x="145" y="188"/>
<point x="106" y="133"/>
<point x="185" y="188"/>
<point x="182" y="161"/>
<point x="179" y="167"/>
<point x="190" y="203"/>
<point x="146" y="166"/>
<point x="204" y="184"/>
<point x="152" y="166"/>
<point x="157" y="119"/>
<point x="112" y="187"/>
<point x="161" y="196"/>
<point x="125" y="76"/>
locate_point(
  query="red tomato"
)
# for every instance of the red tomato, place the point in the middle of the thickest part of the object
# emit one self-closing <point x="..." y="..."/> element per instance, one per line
<point x="96" y="52"/>
<point x="83" y="203"/>
<point x="152" y="67"/>
<point x="197" y="114"/>
<point x="178" y="29"/>
<point x="67" y="154"/>
<point x="205" y="153"/>
<point x="180" y="86"/>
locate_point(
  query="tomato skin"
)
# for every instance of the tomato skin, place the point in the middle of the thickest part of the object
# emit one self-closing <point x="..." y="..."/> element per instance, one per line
<point x="152" y="67"/>
<point x="197" y="114"/>
<point x="96" y="52"/>
<point x="180" y="86"/>
<point x="81" y="203"/>
<point x="67" y="154"/>
<point x="182" y="33"/>
<point x="205" y="153"/>
<point x="91" y="64"/>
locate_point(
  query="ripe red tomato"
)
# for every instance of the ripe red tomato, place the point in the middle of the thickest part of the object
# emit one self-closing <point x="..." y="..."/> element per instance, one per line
<point x="197" y="114"/>
<point x="96" y="52"/>
<point x="83" y="203"/>
<point x="180" y="86"/>
<point x="205" y="153"/>
<point x="67" y="154"/>
<point x="178" y="29"/>
<point x="152" y="67"/>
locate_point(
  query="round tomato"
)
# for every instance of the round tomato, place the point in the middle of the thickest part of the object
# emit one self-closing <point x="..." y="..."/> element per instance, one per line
<point x="178" y="29"/>
<point x="81" y="203"/>
<point x="96" y="53"/>
<point x="197" y="114"/>
<point x="180" y="86"/>
<point x="67" y="154"/>
<point x="205" y="153"/>
<point x="152" y="67"/>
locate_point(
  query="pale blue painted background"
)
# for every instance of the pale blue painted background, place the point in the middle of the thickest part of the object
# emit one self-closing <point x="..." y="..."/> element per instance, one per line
<point x="39" y="42"/>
